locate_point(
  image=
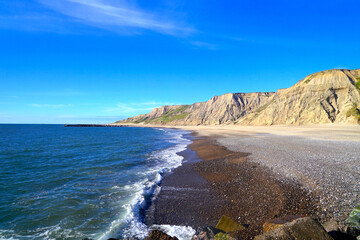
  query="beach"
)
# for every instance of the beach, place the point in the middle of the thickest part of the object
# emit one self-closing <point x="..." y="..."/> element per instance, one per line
<point x="253" y="174"/>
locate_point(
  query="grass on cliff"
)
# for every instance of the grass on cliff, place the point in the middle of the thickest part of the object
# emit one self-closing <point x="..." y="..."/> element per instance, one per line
<point x="354" y="111"/>
<point x="357" y="84"/>
<point x="170" y="116"/>
<point x="141" y="120"/>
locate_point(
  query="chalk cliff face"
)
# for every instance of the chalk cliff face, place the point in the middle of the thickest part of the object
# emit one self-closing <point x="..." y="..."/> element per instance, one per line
<point x="331" y="96"/>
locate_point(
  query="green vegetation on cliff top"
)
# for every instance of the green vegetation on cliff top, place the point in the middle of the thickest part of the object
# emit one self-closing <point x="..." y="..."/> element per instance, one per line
<point x="172" y="115"/>
<point x="357" y="84"/>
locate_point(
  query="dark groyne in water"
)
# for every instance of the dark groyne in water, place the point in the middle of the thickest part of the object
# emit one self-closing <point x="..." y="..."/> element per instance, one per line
<point x="92" y="125"/>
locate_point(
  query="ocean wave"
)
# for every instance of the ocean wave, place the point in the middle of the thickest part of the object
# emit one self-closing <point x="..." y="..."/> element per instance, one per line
<point x="146" y="191"/>
<point x="48" y="233"/>
<point x="94" y="193"/>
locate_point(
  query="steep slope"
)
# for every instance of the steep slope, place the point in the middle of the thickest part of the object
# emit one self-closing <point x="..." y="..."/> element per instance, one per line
<point x="331" y="96"/>
<point x="163" y="114"/>
<point x="224" y="109"/>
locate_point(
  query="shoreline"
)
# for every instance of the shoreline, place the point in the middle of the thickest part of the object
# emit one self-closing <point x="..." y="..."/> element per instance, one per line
<point x="214" y="181"/>
<point x="329" y="132"/>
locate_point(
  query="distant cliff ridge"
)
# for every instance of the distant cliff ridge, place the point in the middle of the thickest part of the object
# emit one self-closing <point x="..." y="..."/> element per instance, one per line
<point x="331" y="96"/>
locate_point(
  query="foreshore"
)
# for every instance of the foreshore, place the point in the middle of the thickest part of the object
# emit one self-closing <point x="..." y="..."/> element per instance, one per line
<point x="259" y="173"/>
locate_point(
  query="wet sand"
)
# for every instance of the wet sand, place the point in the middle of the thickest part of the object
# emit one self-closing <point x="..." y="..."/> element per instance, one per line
<point x="224" y="182"/>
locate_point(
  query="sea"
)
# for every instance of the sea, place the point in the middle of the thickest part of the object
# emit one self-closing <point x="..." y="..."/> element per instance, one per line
<point x="61" y="182"/>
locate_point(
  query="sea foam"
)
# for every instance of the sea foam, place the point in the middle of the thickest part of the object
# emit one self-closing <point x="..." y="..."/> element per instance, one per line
<point x="147" y="190"/>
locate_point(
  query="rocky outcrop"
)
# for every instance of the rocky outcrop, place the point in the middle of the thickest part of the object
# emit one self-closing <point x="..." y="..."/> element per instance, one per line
<point x="302" y="228"/>
<point x="272" y="224"/>
<point x="331" y="96"/>
<point x="285" y="228"/>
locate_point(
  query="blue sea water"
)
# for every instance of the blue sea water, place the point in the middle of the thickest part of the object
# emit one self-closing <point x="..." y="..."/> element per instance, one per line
<point x="60" y="182"/>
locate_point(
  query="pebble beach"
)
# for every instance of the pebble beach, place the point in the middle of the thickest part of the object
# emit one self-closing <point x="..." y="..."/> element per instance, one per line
<point x="323" y="159"/>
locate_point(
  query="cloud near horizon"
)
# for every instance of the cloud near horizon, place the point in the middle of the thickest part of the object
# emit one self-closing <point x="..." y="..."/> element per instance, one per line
<point x="135" y="108"/>
<point x="121" y="16"/>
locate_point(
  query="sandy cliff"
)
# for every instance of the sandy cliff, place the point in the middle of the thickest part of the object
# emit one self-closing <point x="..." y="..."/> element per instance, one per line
<point x="224" y="109"/>
<point x="324" y="97"/>
<point x="331" y="96"/>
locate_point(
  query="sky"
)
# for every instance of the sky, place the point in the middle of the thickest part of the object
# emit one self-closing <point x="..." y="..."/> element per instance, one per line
<point x="98" y="61"/>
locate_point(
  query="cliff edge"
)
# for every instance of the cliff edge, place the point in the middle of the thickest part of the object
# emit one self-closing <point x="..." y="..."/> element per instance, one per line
<point x="331" y="96"/>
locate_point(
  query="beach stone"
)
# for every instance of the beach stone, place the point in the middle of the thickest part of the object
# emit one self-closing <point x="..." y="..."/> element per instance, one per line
<point x="205" y="233"/>
<point x="331" y="226"/>
<point x="351" y="231"/>
<point x="301" y="228"/>
<point x="159" y="235"/>
<point x="201" y="236"/>
<point x="271" y="224"/>
<point x="223" y="236"/>
<point x="227" y="225"/>
<point x="336" y="231"/>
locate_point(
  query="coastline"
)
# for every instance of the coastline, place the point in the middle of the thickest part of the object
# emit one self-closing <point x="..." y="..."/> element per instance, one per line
<point x="214" y="181"/>
<point x="320" y="160"/>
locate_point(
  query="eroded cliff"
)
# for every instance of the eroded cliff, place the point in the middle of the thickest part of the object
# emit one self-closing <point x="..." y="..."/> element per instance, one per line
<point x="331" y="96"/>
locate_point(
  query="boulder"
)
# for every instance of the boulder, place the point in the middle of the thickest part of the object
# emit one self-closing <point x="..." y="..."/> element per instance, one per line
<point x="223" y="236"/>
<point x="354" y="232"/>
<point x="336" y="231"/>
<point x="299" y="229"/>
<point x="227" y="225"/>
<point x="270" y="225"/>
<point x="159" y="235"/>
<point x="332" y="226"/>
<point x="205" y="233"/>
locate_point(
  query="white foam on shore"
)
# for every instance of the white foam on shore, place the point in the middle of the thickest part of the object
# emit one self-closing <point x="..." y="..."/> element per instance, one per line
<point x="181" y="232"/>
<point x="165" y="161"/>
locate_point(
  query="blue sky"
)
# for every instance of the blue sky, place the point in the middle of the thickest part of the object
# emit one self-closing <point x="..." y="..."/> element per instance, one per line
<point x="97" y="61"/>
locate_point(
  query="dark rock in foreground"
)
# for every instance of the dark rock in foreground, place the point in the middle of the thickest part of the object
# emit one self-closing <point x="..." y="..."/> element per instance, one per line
<point x="158" y="235"/>
<point x="302" y="228"/>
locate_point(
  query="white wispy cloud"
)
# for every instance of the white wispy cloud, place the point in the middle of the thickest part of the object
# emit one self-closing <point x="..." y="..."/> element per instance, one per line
<point x="37" y="105"/>
<point x="203" y="45"/>
<point x="117" y="16"/>
<point x="133" y="108"/>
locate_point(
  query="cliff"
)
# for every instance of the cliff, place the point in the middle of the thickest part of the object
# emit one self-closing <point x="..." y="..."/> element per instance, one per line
<point x="331" y="96"/>
<point x="224" y="109"/>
